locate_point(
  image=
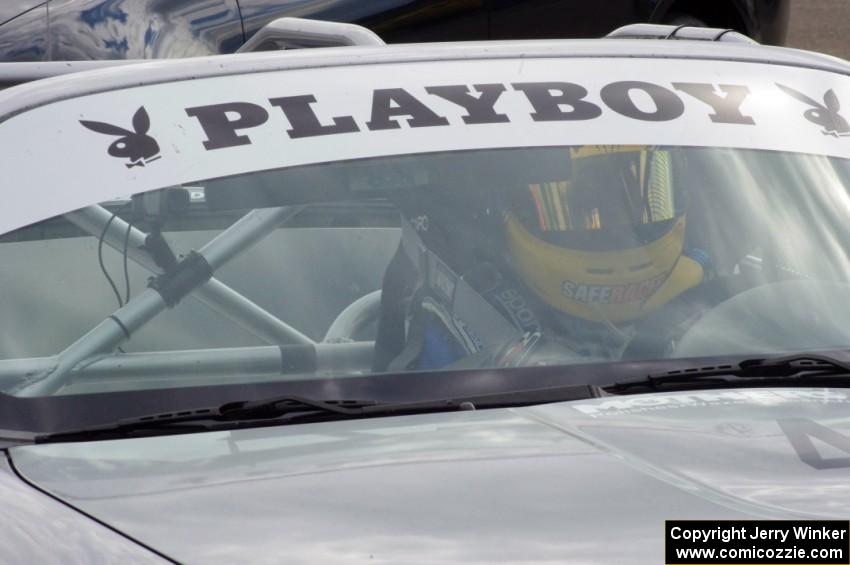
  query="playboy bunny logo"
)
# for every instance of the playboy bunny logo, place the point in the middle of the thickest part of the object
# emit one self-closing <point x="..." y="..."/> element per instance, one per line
<point x="825" y="115"/>
<point x="136" y="146"/>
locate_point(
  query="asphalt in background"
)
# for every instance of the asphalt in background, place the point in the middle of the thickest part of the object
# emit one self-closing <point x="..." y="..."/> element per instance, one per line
<point x="820" y="25"/>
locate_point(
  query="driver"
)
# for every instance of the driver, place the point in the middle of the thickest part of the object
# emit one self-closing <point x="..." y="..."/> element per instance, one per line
<point x="556" y="270"/>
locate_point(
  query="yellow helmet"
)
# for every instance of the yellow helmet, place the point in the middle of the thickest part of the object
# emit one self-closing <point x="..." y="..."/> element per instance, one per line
<point x="606" y="244"/>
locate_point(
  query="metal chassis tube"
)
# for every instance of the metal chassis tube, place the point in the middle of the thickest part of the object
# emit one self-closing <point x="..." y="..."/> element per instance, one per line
<point x="214" y="294"/>
<point x="118" y="327"/>
<point x="261" y="360"/>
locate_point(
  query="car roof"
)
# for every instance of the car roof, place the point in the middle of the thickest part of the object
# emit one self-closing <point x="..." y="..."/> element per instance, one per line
<point x="70" y="80"/>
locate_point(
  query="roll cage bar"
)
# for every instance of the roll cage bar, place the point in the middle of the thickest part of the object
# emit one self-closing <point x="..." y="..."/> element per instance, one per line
<point x="92" y="356"/>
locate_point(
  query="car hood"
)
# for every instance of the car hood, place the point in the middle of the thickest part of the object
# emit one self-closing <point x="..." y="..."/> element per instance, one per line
<point x="586" y="481"/>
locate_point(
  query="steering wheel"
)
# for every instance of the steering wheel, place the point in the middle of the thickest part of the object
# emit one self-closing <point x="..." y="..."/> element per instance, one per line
<point x="656" y="333"/>
<point x="355" y="318"/>
<point x="794" y="315"/>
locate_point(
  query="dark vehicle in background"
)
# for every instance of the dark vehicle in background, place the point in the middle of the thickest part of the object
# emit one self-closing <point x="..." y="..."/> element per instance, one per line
<point x="34" y="30"/>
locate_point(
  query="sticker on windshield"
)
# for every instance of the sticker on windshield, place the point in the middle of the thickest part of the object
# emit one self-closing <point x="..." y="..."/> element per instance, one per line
<point x="231" y="125"/>
<point x="136" y="146"/>
<point x="825" y="115"/>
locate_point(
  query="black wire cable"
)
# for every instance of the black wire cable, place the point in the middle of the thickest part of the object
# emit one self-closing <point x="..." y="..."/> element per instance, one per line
<point x="100" y="259"/>
<point x="126" y="271"/>
<point x="103" y="266"/>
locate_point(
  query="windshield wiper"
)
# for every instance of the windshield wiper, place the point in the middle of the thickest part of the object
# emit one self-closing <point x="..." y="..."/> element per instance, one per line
<point x="808" y="369"/>
<point x="297" y="409"/>
<point x="209" y="418"/>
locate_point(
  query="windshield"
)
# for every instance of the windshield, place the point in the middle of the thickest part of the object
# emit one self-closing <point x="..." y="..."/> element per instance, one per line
<point x="434" y="261"/>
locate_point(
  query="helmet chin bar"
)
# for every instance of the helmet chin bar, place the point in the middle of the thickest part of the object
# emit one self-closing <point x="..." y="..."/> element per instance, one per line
<point x="614" y="286"/>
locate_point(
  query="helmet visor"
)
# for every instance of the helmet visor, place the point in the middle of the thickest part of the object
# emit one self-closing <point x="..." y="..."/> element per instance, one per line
<point x="617" y="197"/>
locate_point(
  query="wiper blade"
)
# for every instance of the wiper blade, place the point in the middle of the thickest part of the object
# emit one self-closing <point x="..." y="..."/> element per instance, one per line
<point x="203" y="419"/>
<point x="297" y="409"/>
<point x="809" y="368"/>
<point x="281" y="405"/>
